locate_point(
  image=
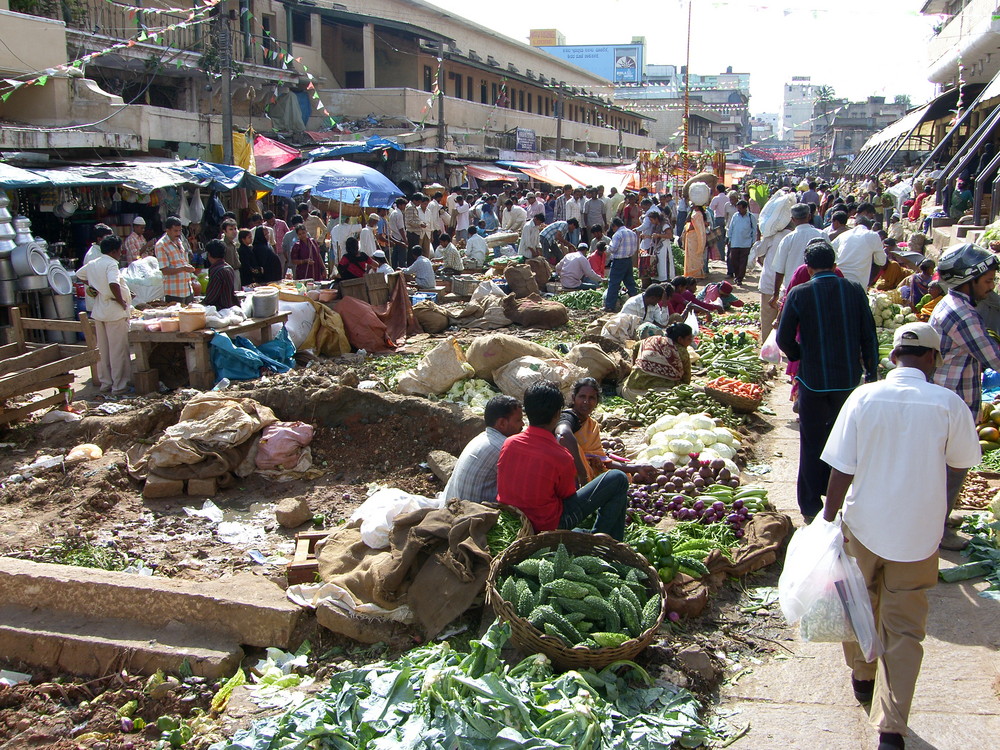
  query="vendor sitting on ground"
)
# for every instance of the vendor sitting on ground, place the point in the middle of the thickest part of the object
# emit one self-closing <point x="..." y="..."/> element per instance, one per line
<point x="474" y="477"/>
<point x="895" y="270"/>
<point x="476" y="248"/>
<point x="661" y="362"/>
<point x="598" y="258"/>
<point x="537" y="475"/>
<point x="379" y="257"/>
<point x="420" y="269"/>
<point x="685" y="286"/>
<point x="355" y="264"/>
<point x="575" y="271"/>
<point x="935" y="293"/>
<point x="447" y="253"/>
<point x="915" y="286"/>
<point x="220" y="293"/>
<point x="720" y="292"/>
<point x="649" y="308"/>
<point x="579" y="433"/>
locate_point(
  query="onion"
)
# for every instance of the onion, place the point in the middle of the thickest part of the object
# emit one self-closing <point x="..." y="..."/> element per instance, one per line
<point x="668" y="467"/>
<point x="724" y="474"/>
<point x="718" y="465"/>
<point x="662" y="479"/>
<point x="705" y="472"/>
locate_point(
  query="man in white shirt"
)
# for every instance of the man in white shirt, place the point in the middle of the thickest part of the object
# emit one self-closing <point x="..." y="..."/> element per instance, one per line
<point x="646" y="306"/>
<point x="420" y="269"/>
<point x="366" y="240"/>
<point x="428" y="222"/>
<point x="379" y="257"/>
<point x="98" y="233"/>
<point x="765" y="252"/>
<point x="461" y="215"/>
<point x="397" y="233"/>
<point x="531" y="244"/>
<point x="575" y="271"/>
<point x="615" y="200"/>
<point x="533" y="206"/>
<point x="514" y="217"/>
<point x="474" y="477"/>
<point x="857" y="249"/>
<point x="574" y="207"/>
<point x="894" y="511"/>
<point x="718" y="208"/>
<point x="791" y="251"/>
<point x="338" y="237"/>
<point x="110" y="315"/>
<point x="476" y="248"/>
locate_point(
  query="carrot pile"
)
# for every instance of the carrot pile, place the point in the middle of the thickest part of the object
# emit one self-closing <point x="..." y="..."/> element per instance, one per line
<point x="736" y="387"/>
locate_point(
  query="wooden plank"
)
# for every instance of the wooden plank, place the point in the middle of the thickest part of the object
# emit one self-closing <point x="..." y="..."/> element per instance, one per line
<point x="41" y="356"/>
<point x="11" y="350"/>
<point x="11" y="415"/>
<point x="17" y="330"/>
<point x="187" y="337"/>
<point x="26" y="382"/>
<point x="90" y="339"/>
<point x="44" y="324"/>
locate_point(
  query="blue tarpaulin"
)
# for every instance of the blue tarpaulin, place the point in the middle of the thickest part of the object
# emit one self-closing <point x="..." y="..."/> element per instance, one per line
<point x="343" y="181"/>
<point x="373" y="143"/>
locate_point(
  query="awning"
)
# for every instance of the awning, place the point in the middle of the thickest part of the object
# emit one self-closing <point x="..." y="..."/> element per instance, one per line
<point x="12" y="178"/>
<point x="579" y="175"/>
<point x="143" y="176"/>
<point x="270" y="154"/>
<point x="373" y="143"/>
<point x="490" y="173"/>
<point x="222" y="177"/>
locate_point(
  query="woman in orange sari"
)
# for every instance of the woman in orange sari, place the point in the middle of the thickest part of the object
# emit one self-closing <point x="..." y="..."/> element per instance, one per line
<point x="694" y="240"/>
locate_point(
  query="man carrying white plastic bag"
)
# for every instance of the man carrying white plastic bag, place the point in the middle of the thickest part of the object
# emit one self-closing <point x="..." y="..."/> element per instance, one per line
<point x="894" y="502"/>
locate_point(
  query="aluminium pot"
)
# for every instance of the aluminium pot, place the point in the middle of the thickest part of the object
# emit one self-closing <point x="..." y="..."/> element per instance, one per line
<point x="7" y="272"/>
<point x="8" y="292"/>
<point x="29" y="259"/>
<point x="32" y="283"/>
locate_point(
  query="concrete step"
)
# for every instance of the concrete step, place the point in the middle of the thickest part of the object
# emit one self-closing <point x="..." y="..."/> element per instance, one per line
<point x="245" y="609"/>
<point x="96" y="646"/>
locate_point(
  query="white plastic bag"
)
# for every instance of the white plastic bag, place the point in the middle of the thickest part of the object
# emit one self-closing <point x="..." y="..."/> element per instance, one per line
<point x="770" y="351"/>
<point x="776" y="214"/>
<point x="692" y="320"/>
<point x="822" y="586"/>
<point x="378" y="513"/>
<point x="145" y="280"/>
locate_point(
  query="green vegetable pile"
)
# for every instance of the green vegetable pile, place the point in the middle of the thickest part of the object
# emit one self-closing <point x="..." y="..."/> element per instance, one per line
<point x="504" y="532"/>
<point x="582" y="299"/>
<point x="658" y="547"/>
<point x="434" y="698"/>
<point x="582" y="600"/>
<point x="471" y="392"/>
<point x="983" y="550"/>
<point x="682" y="398"/>
<point x="722" y="357"/>
<point x="990" y="462"/>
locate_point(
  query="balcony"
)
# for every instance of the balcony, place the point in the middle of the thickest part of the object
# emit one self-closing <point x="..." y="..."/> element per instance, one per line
<point x="95" y="25"/>
<point x="972" y="36"/>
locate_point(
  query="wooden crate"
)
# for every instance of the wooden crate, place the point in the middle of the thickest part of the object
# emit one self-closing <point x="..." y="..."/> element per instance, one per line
<point x="304" y="565"/>
<point x="27" y="368"/>
<point x="354" y="288"/>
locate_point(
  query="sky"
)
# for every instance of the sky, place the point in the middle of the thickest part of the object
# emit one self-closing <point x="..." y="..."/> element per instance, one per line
<point x="859" y="47"/>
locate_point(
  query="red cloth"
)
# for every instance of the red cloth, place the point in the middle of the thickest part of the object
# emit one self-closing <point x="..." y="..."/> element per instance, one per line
<point x="535" y="473"/>
<point x="269" y="154"/>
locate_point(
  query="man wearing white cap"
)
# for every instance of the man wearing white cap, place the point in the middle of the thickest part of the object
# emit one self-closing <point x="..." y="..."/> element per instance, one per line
<point x="135" y="243"/>
<point x="893" y="520"/>
<point x="379" y="257"/>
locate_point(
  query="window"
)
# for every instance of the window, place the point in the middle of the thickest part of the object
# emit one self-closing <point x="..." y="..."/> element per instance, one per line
<point x="302" y="29"/>
<point x="483" y="99"/>
<point x="548" y="107"/>
<point x="520" y="100"/>
<point x="468" y="89"/>
<point x="428" y="78"/>
<point x="494" y="91"/>
<point x="458" y="84"/>
<point x="529" y="102"/>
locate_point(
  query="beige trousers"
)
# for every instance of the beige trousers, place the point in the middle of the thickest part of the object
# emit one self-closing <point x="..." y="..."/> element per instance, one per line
<point x="767" y="317"/>
<point x="898" y="592"/>
<point x="115" y="365"/>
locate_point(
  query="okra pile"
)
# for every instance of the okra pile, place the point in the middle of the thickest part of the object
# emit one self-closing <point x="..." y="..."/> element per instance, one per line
<point x="582" y="600"/>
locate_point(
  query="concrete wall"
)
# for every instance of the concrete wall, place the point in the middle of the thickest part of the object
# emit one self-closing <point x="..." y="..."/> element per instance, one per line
<point x="30" y="43"/>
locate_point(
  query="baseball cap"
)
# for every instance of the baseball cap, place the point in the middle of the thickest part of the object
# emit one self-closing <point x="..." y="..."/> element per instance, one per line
<point x="139" y="221"/>
<point x="918" y="334"/>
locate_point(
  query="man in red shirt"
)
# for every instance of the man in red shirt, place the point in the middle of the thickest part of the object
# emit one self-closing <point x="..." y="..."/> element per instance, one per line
<point x="538" y="476"/>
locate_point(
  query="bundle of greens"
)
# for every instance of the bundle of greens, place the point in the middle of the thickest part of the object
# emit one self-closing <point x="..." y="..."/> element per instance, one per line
<point x="433" y="698"/>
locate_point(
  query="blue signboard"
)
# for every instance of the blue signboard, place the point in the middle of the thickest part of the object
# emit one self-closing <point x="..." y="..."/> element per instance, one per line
<point x="621" y="64"/>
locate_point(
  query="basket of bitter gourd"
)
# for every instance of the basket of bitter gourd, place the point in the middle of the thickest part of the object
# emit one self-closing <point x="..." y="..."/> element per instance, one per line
<point x="583" y="600"/>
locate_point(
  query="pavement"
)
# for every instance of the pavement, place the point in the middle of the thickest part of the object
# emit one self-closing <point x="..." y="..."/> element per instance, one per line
<point x="802" y="698"/>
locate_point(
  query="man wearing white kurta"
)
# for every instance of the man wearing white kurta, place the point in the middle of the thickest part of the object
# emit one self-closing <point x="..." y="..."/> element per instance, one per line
<point x="110" y="316"/>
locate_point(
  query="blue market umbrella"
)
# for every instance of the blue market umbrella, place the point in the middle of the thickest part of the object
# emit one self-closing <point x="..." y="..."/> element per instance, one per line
<point x="342" y="181"/>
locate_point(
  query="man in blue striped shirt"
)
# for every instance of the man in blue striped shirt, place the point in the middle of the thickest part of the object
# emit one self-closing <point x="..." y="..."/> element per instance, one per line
<point x="624" y="244"/>
<point x="836" y="338"/>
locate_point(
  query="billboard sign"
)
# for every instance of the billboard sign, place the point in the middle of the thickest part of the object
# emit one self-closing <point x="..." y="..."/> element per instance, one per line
<point x="524" y="140"/>
<point x="621" y="64"/>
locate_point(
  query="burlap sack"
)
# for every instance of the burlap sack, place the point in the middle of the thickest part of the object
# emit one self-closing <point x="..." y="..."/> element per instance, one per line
<point x="514" y="378"/>
<point x="432" y="317"/>
<point x="489" y="353"/>
<point x="593" y="359"/>
<point x="542" y="270"/>
<point x="437" y="371"/>
<point x="534" y="312"/>
<point x="707" y="177"/>
<point x="521" y="280"/>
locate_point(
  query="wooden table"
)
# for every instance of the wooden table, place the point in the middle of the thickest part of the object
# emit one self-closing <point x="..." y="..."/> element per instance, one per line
<point x="201" y="374"/>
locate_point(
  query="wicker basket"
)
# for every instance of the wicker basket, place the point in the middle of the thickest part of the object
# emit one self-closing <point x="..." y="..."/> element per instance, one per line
<point x="740" y="404"/>
<point x="529" y="639"/>
<point x="526" y="529"/>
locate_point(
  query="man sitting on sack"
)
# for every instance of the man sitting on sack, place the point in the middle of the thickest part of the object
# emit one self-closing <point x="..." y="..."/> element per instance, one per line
<point x="538" y="475"/>
<point x="474" y="477"/>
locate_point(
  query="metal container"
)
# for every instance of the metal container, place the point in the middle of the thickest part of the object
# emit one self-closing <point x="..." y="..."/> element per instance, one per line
<point x="59" y="307"/>
<point x="32" y="283"/>
<point x="265" y="302"/>
<point x="29" y="260"/>
<point x="7" y="272"/>
<point x="8" y="292"/>
<point x="22" y="230"/>
<point x="59" y="280"/>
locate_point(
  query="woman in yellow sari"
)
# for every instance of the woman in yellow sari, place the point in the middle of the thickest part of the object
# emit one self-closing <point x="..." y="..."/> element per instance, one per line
<point x="694" y="240"/>
<point x="579" y="433"/>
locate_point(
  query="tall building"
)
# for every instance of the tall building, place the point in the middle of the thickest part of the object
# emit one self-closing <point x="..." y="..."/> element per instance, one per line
<point x="797" y="110"/>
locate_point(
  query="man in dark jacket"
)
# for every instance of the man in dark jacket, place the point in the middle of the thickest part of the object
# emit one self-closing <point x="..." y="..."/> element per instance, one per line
<point x="827" y="327"/>
<point x="221" y="277"/>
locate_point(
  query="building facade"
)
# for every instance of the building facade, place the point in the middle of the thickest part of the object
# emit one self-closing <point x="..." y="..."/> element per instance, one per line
<point x="797" y="110"/>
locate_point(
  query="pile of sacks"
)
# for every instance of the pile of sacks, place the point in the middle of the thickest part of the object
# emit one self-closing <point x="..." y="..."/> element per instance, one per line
<point x="217" y="440"/>
<point x="510" y="363"/>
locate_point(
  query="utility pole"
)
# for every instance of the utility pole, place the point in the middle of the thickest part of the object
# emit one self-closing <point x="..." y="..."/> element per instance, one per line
<point x="224" y="41"/>
<point x="440" y="97"/>
<point x="559" y="116"/>
<point x="687" y="88"/>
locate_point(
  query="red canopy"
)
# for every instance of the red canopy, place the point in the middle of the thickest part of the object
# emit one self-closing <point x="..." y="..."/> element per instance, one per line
<point x="269" y="154"/>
